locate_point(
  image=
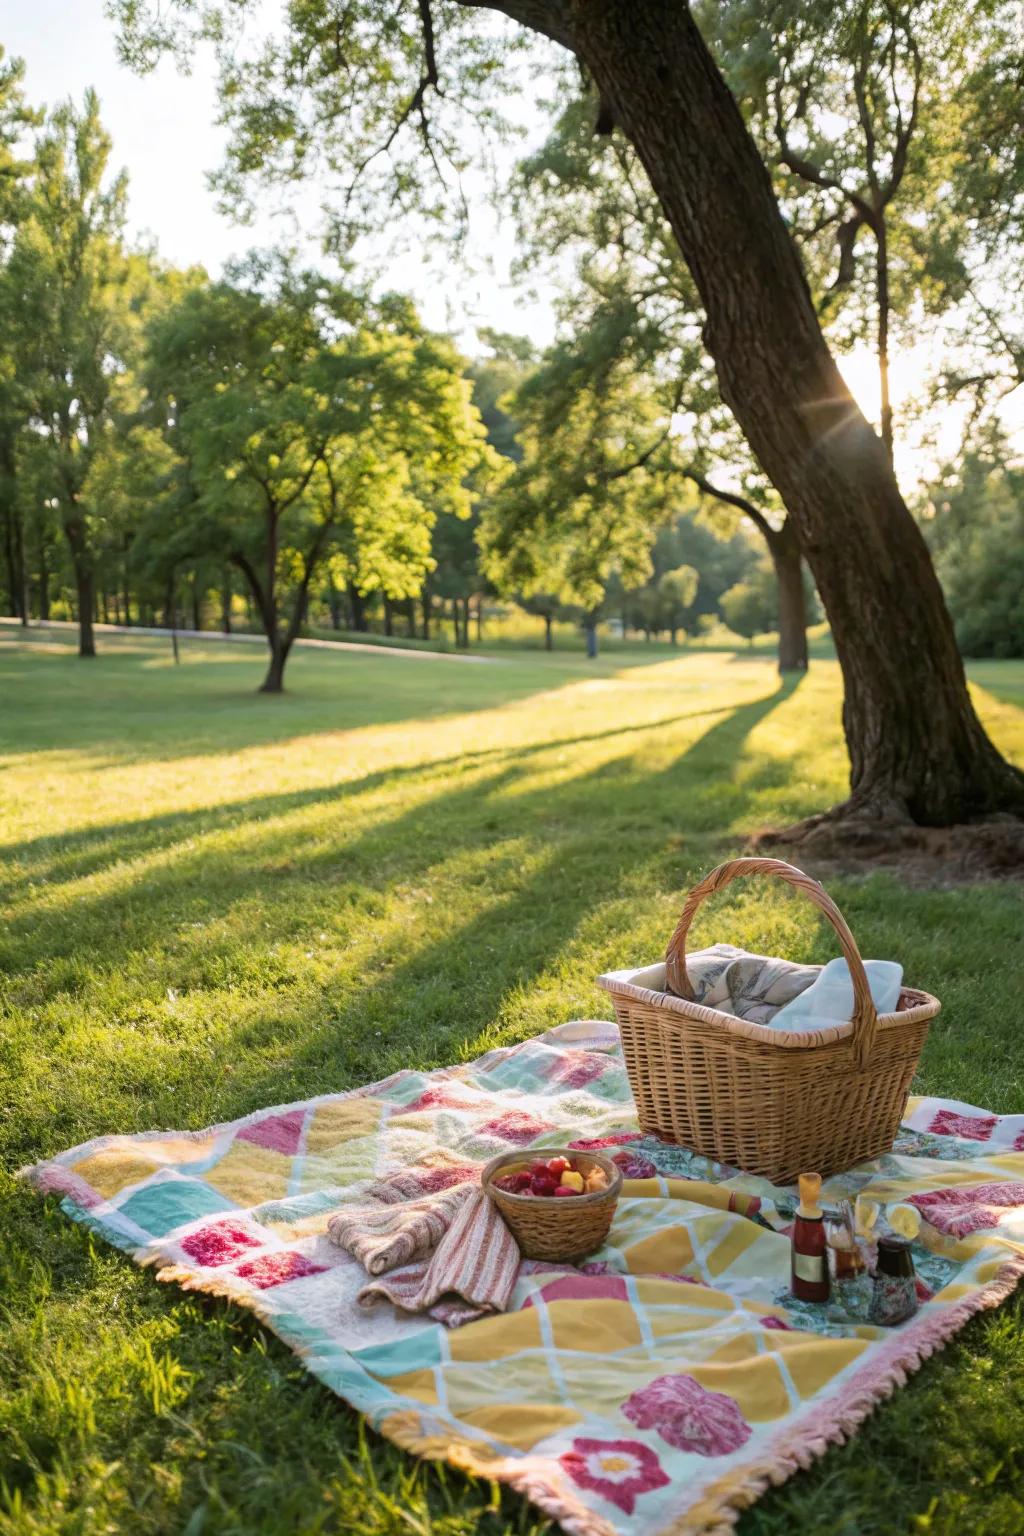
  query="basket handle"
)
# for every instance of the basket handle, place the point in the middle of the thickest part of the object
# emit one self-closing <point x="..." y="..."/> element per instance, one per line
<point x="865" y="1016"/>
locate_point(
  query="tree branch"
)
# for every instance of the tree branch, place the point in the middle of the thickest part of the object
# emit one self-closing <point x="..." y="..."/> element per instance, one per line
<point x="248" y="570"/>
<point x="733" y="499"/>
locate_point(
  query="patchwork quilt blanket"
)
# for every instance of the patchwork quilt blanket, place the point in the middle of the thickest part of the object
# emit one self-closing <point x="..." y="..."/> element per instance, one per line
<point x="659" y="1387"/>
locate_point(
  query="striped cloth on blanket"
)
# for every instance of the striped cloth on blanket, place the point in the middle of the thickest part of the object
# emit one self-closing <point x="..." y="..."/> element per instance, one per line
<point x="477" y="1261"/>
<point x="384" y="1237"/>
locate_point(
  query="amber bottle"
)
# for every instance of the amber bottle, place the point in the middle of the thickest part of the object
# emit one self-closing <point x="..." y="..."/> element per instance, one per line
<point x="810" y="1259"/>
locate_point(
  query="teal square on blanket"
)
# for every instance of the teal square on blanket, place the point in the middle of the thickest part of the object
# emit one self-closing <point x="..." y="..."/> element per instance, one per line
<point x="159" y="1208"/>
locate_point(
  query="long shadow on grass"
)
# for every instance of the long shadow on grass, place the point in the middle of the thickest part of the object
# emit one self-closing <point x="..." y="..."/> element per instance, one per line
<point x="67" y="856"/>
<point x="559" y="851"/>
<point x="610" y="832"/>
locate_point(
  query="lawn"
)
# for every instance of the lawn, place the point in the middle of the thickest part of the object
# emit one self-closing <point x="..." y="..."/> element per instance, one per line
<point x="213" y="901"/>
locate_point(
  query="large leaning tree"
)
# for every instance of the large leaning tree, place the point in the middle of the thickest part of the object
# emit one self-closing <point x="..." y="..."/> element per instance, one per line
<point x="345" y="85"/>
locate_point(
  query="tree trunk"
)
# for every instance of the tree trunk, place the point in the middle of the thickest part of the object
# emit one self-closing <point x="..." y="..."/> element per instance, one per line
<point x="85" y="589"/>
<point x="590" y="635"/>
<point x="882" y="297"/>
<point x="279" y="649"/>
<point x="673" y="631"/>
<point x="44" y="580"/>
<point x="21" y="567"/>
<point x="549" y="643"/>
<point x="358" y="610"/>
<point x="479" y="621"/>
<point x="389" y="626"/>
<point x="197" y="614"/>
<point x="916" y="745"/>
<point x="784" y="549"/>
<point x="225" y="603"/>
<point x="85" y="595"/>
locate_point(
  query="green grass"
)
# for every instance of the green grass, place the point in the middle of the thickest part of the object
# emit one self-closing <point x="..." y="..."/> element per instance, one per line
<point x="212" y="901"/>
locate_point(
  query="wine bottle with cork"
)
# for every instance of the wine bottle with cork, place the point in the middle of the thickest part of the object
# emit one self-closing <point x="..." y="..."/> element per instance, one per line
<point x="810" y="1280"/>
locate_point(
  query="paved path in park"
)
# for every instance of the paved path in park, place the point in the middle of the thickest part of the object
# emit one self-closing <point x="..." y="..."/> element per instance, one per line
<point x="11" y="628"/>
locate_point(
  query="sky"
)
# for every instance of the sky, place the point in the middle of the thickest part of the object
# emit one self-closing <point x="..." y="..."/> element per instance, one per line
<point x="165" y="135"/>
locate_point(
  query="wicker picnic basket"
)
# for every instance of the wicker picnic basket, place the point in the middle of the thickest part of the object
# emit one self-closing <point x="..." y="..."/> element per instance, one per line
<point x="768" y="1101"/>
<point x="559" y="1231"/>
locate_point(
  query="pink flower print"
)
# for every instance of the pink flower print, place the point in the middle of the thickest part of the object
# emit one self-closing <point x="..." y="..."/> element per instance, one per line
<point x="688" y="1416"/>
<point x="775" y="1322"/>
<point x="515" y="1126"/>
<point x="634" y="1166"/>
<point x="619" y="1470"/>
<point x="973" y="1127"/>
<point x="1018" y="1145"/>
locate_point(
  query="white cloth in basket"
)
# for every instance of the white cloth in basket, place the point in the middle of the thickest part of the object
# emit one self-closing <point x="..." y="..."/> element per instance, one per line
<point x="779" y="993"/>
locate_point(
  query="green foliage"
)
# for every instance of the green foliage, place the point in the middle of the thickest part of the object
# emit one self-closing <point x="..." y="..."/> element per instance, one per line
<point x="752" y="607"/>
<point x="976" y="531"/>
<point x="310" y="424"/>
<point x="893" y="130"/>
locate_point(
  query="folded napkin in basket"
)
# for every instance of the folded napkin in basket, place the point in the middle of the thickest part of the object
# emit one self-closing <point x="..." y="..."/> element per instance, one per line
<point x="764" y="990"/>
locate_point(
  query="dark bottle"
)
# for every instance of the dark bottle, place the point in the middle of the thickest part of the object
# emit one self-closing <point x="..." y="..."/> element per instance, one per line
<point x="894" y="1295"/>
<point x="810" y="1259"/>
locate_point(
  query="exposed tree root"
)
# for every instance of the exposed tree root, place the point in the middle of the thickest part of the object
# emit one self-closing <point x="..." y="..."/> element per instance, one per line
<point x="848" y="839"/>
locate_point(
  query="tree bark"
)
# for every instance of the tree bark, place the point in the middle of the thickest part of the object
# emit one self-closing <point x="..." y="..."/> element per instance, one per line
<point x="274" y="680"/>
<point x="784" y="548"/>
<point x="358" y="610"/>
<point x="590" y="635"/>
<point x="44" y="580"/>
<point x="389" y="625"/>
<point x="916" y="745"/>
<point x="85" y="589"/>
<point x="225" y="603"/>
<point x="882" y="298"/>
<point x="548" y="641"/>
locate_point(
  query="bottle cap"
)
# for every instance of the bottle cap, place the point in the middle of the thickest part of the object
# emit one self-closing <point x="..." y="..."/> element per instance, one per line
<point x="810" y="1188"/>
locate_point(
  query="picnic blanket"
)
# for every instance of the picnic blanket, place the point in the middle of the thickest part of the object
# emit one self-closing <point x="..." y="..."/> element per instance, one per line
<point x="659" y="1387"/>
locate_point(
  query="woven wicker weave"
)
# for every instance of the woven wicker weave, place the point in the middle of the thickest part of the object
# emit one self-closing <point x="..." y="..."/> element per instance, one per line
<point x="768" y="1101"/>
<point x="560" y="1231"/>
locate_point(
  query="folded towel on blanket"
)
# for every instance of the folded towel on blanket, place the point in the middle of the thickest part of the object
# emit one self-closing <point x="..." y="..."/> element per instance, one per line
<point x="473" y="1271"/>
<point x="387" y="1236"/>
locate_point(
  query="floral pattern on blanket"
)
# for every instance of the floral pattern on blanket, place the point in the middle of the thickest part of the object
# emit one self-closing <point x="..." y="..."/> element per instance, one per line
<point x="647" y="1390"/>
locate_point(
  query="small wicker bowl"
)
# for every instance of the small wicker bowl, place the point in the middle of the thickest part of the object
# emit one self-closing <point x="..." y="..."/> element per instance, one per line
<point x="560" y="1231"/>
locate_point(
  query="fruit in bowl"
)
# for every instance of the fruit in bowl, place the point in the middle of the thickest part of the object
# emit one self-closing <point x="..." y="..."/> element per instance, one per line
<point x="558" y="1203"/>
<point x="559" y="1176"/>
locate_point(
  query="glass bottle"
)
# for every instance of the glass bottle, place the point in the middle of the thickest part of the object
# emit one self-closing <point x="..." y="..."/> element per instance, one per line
<point x="810" y="1280"/>
<point x="894" y="1295"/>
